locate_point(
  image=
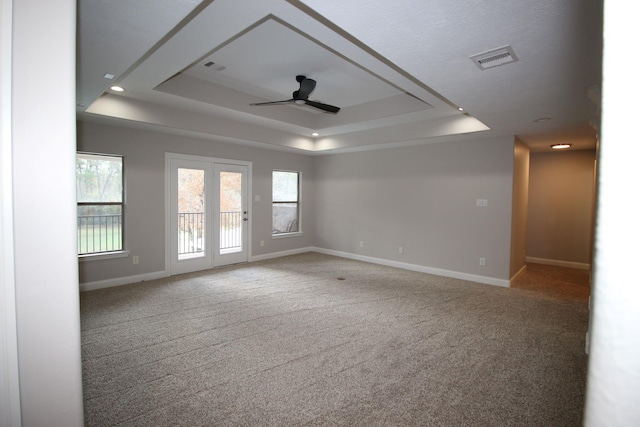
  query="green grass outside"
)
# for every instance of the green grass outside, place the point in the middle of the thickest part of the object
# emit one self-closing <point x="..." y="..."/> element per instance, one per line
<point x="103" y="239"/>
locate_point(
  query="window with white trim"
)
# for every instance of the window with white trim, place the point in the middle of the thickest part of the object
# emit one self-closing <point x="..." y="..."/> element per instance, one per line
<point x="285" y="202"/>
<point x="100" y="197"/>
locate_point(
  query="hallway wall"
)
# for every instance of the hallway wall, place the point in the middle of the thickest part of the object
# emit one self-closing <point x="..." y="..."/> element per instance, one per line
<point x="561" y="208"/>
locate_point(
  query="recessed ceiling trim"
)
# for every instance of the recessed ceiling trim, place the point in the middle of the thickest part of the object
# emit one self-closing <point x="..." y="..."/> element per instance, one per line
<point x="494" y="57"/>
<point x="205" y="60"/>
<point x="345" y="58"/>
<point x="183" y="23"/>
<point x="309" y="11"/>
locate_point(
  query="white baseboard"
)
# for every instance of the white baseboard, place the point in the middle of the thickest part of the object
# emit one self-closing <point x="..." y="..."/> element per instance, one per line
<point x="281" y="254"/>
<point x="515" y="276"/>
<point x="419" y="268"/>
<point x="559" y="263"/>
<point x="119" y="281"/>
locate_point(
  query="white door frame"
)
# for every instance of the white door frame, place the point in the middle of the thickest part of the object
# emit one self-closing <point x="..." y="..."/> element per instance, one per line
<point x="169" y="157"/>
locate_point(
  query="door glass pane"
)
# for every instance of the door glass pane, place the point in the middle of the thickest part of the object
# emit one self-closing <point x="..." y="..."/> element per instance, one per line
<point x="230" y="212"/>
<point x="191" y="219"/>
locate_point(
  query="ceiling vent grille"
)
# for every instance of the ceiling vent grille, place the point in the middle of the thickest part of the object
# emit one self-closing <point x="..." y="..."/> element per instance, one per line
<point x="493" y="58"/>
<point x="217" y="67"/>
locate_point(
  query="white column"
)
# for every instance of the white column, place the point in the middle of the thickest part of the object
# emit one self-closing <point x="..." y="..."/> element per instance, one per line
<point x="613" y="387"/>
<point x="44" y="217"/>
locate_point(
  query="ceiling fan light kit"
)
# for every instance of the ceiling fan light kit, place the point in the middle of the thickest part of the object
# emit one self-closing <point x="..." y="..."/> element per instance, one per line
<point x="301" y="97"/>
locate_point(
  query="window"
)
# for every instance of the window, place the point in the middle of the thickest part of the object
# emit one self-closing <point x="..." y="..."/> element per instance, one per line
<point x="99" y="188"/>
<point x="286" y="202"/>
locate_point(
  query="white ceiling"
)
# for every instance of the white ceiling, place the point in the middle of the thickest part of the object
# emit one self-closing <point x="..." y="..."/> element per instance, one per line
<point x="399" y="70"/>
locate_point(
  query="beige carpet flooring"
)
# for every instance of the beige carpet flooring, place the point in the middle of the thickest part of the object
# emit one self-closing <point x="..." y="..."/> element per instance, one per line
<point x="315" y="340"/>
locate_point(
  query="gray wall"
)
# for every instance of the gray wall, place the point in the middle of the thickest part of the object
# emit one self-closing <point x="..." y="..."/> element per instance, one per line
<point x="144" y="153"/>
<point x="422" y="198"/>
<point x="561" y="207"/>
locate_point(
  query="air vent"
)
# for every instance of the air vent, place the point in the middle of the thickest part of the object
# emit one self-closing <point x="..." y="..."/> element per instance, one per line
<point x="217" y="68"/>
<point x="493" y="58"/>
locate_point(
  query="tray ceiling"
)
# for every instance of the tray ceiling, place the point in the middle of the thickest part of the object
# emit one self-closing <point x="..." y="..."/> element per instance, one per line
<point x="398" y="78"/>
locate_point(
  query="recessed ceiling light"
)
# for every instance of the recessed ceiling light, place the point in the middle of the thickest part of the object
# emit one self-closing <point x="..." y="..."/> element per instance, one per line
<point x="117" y="89"/>
<point x="460" y="108"/>
<point x="315" y="134"/>
<point x="560" y="146"/>
<point x="542" y="119"/>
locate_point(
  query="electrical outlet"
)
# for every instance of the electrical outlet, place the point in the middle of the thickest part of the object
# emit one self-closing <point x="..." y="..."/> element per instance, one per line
<point x="400" y="250"/>
<point x="361" y="244"/>
<point x="482" y="202"/>
<point x="483" y="261"/>
<point x="135" y="259"/>
<point x="261" y="242"/>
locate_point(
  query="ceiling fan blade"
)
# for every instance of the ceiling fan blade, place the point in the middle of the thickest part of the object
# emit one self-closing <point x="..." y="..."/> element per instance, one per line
<point x="286" y="101"/>
<point x="301" y="96"/>
<point x="321" y="106"/>
<point x="306" y="87"/>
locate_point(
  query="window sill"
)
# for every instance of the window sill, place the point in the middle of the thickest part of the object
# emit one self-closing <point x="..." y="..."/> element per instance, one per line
<point x="101" y="256"/>
<point x="286" y="235"/>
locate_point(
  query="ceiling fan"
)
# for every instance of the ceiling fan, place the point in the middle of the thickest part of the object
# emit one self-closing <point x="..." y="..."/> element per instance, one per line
<point x="301" y="96"/>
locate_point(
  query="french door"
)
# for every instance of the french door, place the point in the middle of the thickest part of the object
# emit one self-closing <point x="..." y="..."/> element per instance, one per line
<point x="208" y="218"/>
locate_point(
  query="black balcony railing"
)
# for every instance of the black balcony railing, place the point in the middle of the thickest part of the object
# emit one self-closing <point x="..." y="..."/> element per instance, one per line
<point x="191" y="230"/>
<point x="103" y="233"/>
<point x="99" y="233"/>
<point x="230" y="230"/>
